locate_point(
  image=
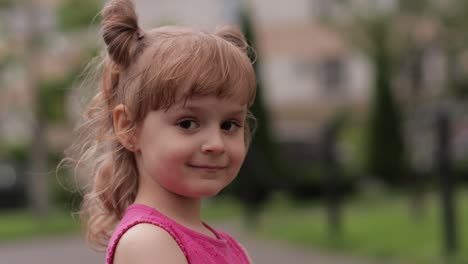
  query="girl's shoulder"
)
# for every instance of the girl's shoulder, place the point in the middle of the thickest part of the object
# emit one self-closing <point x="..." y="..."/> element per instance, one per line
<point x="145" y="233"/>
<point x="145" y="243"/>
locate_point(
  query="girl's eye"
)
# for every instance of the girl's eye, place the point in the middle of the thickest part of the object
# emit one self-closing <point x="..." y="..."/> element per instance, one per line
<point x="229" y="125"/>
<point x="187" y="124"/>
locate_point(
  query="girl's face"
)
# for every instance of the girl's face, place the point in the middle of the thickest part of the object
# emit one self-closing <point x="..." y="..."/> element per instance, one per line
<point x="193" y="149"/>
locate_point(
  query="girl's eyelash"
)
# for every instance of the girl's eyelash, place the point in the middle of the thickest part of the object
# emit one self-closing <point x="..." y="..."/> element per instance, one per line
<point x="181" y="121"/>
<point x="236" y="122"/>
<point x="187" y="118"/>
<point x="232" y="122"/>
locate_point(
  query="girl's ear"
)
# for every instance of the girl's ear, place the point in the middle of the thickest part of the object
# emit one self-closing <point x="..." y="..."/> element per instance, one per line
<point x="124" y="127"/>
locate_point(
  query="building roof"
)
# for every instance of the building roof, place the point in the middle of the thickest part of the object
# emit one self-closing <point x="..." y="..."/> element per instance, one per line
<point x="301" y="40"/>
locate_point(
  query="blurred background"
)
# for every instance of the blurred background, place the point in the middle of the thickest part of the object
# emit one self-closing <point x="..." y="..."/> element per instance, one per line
<point x="360" y="154"/>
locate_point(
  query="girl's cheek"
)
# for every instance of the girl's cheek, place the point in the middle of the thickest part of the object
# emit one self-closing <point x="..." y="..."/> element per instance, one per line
<point x="239" y="157"/>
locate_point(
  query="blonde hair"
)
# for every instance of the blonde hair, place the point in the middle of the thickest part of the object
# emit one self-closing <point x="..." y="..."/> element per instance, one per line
<point x="148" y="70"/>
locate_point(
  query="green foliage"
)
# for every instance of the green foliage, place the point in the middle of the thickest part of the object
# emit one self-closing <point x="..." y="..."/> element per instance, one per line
<point x="52" y="100"/>
<point x="386" y="150"/>
<point x="76" y="14"/>
<point x="353" y="139"/>
<point x="459" y="88"/>
<point x="52" y="96"/>
<point x="461" y="170"/>
<point x="7" y="60"/>
<point x="414" y="6"/>
<point x="14" y="153"/>
<point x="6" y="3"/>
<point x="65" y="192"/>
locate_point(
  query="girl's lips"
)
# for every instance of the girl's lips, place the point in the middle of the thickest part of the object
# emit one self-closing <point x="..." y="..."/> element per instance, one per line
<point x="208" y="167"/>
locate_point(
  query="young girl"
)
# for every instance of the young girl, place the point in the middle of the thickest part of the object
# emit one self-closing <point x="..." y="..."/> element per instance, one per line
<point x="167" y="127"/>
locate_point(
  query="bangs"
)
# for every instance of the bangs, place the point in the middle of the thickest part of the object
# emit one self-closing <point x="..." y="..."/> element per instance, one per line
<point x="222" y="71"/>
<point x="192" y="64"/>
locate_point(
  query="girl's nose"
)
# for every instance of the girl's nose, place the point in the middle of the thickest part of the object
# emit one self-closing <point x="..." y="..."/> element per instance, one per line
<point x="214" y="143"/>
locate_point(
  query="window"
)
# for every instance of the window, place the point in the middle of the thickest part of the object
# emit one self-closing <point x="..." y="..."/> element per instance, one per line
<point x="331" y="75"/>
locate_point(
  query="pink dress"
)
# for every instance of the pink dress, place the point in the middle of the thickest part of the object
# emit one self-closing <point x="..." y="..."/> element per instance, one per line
<point x="197" y="247"/>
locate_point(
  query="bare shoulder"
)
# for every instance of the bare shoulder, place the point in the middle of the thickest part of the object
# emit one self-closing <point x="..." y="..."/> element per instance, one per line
<point x="147" y="243"/>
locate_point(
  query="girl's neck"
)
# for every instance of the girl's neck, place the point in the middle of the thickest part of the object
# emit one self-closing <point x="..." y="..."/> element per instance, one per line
<point x="183" y="210"/>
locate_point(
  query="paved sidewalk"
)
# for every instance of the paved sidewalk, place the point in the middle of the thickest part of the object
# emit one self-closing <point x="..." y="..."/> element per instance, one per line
<point x="73" y="250"/>
<point x="57" y="250"/>
<point x="266" y="252"/>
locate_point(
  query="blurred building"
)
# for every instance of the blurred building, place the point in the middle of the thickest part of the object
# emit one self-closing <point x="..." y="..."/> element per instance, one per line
<point x="308" y="69"/>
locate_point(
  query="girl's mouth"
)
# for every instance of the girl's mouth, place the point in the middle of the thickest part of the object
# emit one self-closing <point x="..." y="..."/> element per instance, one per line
<point x="208" y="167"/>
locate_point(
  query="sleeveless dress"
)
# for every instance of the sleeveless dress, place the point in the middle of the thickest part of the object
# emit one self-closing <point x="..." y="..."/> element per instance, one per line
<point x="198" y="248"/>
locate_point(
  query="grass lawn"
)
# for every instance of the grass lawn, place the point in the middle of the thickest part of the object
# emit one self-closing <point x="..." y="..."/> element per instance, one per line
<point x="376" y="227"/>
<point x="22" y="224"/>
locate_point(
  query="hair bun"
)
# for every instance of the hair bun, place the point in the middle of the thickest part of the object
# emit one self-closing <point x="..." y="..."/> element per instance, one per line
<point x="121" y="31"/>
<point x="233" y="35"/>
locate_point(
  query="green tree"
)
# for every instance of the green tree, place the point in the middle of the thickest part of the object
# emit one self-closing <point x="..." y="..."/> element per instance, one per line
<point x="74" y="15"/>
<point x="6" y="3"/>
<point x="385" y="149"/>
<point x="38" y="191"/>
